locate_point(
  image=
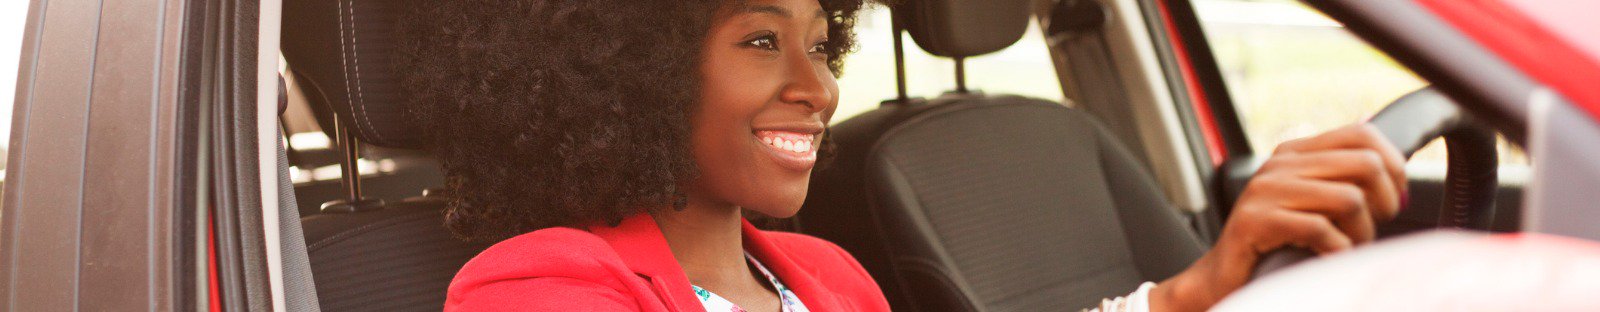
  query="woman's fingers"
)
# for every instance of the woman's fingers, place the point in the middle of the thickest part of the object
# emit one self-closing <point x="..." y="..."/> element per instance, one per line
<point x="1310" y="231"/>
<point x="1362" y="168"/>
<point x="1345" y="204"/>
<point x="1356" y="136"/>
<point x="1272" y="228"/>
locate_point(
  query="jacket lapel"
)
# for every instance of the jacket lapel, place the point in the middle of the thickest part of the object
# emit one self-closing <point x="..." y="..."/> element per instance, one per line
<point x="639" y="242"/>
<point x="803" y="282"/>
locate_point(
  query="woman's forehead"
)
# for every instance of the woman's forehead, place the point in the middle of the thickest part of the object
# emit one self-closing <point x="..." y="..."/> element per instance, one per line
<point x="780" y="8"/>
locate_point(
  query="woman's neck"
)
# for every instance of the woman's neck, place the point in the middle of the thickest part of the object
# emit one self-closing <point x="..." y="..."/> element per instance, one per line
<point x="707" y="241"/>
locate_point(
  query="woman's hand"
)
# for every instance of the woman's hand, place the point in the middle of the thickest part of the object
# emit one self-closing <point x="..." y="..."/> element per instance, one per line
<point x="1323" y="193"/>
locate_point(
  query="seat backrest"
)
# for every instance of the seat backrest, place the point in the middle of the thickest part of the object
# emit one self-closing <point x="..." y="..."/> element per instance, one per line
<point x="973" y="202"/>
<point x="398" y="257"/>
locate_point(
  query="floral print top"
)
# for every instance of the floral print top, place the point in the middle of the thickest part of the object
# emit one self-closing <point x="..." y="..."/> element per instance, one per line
<point x="714" y="303"/>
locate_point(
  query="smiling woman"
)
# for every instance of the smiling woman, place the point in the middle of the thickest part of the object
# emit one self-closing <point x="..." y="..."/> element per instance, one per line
<point x="651" y="125"/>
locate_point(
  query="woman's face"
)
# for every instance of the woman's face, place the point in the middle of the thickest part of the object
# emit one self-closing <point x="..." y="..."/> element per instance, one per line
<point x="768" y="94"/>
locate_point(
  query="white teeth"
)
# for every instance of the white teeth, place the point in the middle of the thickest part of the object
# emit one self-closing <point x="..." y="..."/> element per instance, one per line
<point x="802" y="145"/>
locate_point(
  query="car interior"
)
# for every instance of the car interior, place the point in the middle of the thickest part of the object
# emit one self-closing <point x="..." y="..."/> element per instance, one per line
<point x="928" y="193"/>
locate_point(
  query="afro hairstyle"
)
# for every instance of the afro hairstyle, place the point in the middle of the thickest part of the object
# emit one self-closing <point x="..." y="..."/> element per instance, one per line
<point x="548" y="113"/>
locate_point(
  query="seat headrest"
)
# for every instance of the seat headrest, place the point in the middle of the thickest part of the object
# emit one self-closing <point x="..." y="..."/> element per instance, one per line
<point x="962" y="28"/>
<point x="342" y="53"/>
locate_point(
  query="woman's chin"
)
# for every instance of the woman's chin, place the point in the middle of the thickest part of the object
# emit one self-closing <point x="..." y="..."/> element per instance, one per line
<point x="786" y="209"/>
<point x="783" y="199"/>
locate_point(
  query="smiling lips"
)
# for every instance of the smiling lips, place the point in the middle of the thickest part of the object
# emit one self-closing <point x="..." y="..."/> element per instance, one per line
<point x="793" y="150"/>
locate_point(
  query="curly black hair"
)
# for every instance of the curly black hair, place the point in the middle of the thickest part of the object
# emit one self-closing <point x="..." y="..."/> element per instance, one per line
<point x="550" y="113"/>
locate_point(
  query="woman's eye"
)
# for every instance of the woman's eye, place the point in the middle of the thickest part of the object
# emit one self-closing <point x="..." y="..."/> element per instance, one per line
<point x="821" y="47"/>
<point x="819" y="51"/>
<point x="765" y="43"/>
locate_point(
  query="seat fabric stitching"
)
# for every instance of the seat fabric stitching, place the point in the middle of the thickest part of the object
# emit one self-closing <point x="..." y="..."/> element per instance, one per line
<point x="336" y="238"/>
<point x="360" y="100"/>
<point x="344" y="59"/>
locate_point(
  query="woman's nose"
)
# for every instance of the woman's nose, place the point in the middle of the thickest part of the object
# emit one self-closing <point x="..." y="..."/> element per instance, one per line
<point x="808" y="84"/>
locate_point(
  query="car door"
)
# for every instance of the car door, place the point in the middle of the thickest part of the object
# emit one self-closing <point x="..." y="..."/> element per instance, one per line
<point x="1259" y="73"/>
<point x="134" y="178"/>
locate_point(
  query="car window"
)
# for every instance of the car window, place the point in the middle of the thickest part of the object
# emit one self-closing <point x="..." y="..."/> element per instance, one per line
<point x="1024" y="68"/>
<point x="13" y="18"/>
<point x="1293" y="72"/>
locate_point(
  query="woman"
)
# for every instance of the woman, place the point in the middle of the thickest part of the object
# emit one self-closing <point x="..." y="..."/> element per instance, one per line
<point x="617" y="144"/>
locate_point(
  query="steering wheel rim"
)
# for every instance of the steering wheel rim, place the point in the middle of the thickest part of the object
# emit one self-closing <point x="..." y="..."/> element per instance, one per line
<point x="1410" y="123"/>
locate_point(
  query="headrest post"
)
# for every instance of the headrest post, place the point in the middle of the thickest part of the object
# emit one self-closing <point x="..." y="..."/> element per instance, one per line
<point x="349" y="167"/>
<point x="961" y="74"/>
<point x="350" y="173"/>
<point x="899" y="59"/>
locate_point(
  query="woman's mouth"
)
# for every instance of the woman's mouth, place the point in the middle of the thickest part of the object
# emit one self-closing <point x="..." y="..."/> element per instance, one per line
<point x="792" y="150"/>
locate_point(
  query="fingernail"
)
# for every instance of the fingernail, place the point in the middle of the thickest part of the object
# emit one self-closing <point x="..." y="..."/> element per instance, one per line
<point x="1405" y="200"/>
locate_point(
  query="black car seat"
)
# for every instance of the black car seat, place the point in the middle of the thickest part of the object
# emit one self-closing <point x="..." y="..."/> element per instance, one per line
<point x="975" y="202"/>
<point x="365" y="254"/>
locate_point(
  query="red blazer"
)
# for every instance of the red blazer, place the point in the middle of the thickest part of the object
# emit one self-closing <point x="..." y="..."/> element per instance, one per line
<point x="630" y="268"/>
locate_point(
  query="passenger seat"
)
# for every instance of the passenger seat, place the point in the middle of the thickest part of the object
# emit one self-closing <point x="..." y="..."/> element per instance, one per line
<point x="368" y="256"/>
<point x="991" y="202"/>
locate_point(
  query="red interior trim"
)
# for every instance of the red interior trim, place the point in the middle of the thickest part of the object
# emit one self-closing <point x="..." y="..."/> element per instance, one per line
<point x="1197" y="94"/>
<point x="1527" y="46"/>
<point x="211" y="265"/>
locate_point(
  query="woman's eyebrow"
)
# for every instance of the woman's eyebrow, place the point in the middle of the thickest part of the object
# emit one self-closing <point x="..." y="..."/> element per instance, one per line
<point x="776" y="10"/>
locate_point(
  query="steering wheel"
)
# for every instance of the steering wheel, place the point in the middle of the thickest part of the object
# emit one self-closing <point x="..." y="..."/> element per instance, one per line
<point x="1409" y="123"/>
